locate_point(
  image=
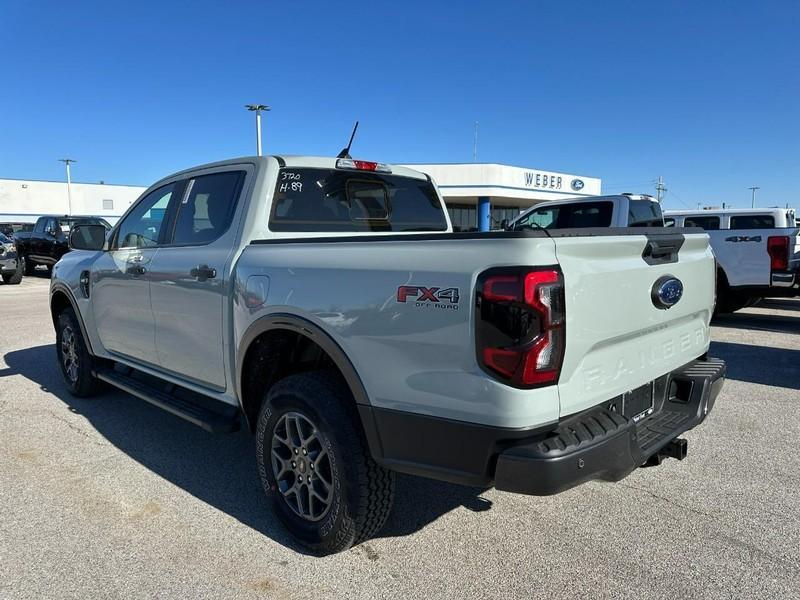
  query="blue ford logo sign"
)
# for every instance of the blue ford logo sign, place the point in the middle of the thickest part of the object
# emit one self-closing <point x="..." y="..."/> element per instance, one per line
<point x="577" y="184"/>
<point x="666" y="292"/>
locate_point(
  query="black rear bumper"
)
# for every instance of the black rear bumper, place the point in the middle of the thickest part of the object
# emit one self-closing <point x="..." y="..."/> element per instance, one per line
<point x="595" y="444"/>
<point x="601" y="444"/>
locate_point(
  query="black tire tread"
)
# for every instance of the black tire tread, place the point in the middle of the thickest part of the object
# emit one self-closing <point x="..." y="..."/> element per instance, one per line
<point x="374" y="486"/>
<point x="15" y="278"/>
<point x="87" y="385"/>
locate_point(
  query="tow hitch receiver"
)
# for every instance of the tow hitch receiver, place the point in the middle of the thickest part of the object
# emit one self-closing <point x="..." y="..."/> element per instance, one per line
<point x="675" y="449"/>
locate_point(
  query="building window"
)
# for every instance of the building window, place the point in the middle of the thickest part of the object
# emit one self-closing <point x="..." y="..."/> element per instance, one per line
<point x="108" y="205"/>
<point x="464" y="217"/>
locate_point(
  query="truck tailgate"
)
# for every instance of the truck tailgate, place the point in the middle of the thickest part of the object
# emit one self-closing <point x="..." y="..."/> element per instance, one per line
<point x="617" y="338"/>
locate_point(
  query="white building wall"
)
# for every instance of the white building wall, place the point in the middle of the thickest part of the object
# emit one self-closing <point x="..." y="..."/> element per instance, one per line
<point x="506" y="185"/>
<point x="24" y="200"/>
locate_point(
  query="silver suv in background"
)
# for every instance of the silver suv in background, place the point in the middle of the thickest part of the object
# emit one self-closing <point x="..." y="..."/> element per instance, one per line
<point x="11" y="268"/>
<point x="623" y="210"/>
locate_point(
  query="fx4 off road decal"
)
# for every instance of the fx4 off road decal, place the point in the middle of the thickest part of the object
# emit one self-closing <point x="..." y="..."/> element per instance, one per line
<point x="429" y="297"/>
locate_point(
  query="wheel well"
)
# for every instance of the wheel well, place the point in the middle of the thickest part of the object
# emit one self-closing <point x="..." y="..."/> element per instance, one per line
<point x="274" y="355"/>
<point x="58" y="303"/>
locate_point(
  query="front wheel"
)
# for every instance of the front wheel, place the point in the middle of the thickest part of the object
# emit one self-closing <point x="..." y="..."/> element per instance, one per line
<point x="16" y="277"/>
<point x="315" y="465"/>
<point x="28" y="266"/>
<point x="73" y="356"/>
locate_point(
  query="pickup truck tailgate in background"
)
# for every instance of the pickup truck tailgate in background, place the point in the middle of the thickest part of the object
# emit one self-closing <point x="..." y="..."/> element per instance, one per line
<point x="617" y="338"/>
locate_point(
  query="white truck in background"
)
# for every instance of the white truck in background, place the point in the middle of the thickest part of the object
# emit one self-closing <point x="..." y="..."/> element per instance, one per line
<point x="757" y="251"/>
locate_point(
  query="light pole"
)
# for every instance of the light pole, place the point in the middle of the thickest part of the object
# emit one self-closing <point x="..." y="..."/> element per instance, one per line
<point x="257" y="108"/>
<point x="475" y="145"/>
<point x="753" y="199"/>
<point x="67" y="162"/>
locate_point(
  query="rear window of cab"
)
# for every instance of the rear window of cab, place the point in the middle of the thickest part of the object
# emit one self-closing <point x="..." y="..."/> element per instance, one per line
<point x="335" y="200"/>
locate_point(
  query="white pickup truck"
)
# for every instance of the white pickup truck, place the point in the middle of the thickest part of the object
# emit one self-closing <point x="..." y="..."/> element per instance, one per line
<point x="757" y="250"/>
<point x="327" y="306"/>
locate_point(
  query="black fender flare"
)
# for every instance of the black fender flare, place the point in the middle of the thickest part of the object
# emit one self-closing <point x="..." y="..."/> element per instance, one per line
<point x="320" y="337"/>
<point x="64" y="289"/>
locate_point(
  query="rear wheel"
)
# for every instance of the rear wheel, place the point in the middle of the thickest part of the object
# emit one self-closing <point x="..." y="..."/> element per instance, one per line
<point x="74" y="359"/>
<point x="731" y="302"/>
<point x="315" y="465"/>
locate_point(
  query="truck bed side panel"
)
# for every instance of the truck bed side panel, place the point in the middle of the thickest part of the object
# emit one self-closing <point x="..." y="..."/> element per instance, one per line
<point x="417" y="355"/>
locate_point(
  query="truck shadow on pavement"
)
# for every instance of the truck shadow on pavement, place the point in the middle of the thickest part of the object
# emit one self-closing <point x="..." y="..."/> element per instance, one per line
<point x="759" y="364"/>
<point x="758" y="322"/>
<point x="219" y="470"/>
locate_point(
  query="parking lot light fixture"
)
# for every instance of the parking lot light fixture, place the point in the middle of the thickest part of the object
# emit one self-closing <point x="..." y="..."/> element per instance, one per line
<point x="257" y="108"/>
<point x="67" y="162"/>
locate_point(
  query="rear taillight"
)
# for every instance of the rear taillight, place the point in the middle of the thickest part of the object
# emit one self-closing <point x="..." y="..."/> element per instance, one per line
<point x="778" y="248"/>
<point x="520" y="325"/>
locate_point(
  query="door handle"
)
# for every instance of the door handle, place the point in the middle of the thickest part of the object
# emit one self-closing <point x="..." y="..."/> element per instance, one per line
<point x="136" y="270"/>
<point x="203" y="272"/>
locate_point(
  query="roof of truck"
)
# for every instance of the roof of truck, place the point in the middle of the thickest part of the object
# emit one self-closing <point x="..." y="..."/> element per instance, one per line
<point x="298" y="160"/>
<point x="735" y="211"/>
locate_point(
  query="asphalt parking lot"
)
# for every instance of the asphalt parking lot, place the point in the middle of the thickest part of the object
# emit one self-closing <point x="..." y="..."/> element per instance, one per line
<point x="111" y="497"/>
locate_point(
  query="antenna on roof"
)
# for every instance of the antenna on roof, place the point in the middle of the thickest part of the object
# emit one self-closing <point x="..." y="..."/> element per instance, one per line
<point x="345" y="153"/>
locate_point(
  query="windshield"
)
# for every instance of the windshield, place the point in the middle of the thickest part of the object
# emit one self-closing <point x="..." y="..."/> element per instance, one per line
<point x="70" y="222"/>
<point x="4" y="239"/>
<point x="566" y="216"/>
<point x="309" y="199"/>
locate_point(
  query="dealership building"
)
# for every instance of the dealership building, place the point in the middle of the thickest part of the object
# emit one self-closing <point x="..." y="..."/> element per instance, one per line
<point x="478" y="195"/>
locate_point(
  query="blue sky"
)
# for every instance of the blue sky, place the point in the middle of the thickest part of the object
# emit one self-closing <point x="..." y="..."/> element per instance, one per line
<point x="706" y="94"/>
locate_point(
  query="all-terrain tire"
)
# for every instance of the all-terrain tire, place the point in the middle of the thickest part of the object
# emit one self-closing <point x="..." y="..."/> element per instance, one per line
<point x="362" y="490"/>
<point x="73" y="356"/>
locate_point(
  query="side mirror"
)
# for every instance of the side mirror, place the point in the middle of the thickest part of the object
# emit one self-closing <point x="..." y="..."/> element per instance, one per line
<point x="87" y="237"/>
<point x="504" y="224"/>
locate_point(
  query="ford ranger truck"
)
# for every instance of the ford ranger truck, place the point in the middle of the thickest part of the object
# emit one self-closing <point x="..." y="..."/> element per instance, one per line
<point x="326" y="306"/>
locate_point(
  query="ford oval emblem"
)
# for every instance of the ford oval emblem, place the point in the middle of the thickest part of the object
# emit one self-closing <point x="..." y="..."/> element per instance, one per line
<point x="577" y="184"/>
<point x="666" y="292"/>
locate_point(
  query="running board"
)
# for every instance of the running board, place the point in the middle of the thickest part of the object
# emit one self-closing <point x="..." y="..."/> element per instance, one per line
<point x="192" y="407"/>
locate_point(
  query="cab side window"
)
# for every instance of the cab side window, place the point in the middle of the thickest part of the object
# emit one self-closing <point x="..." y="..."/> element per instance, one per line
<point x="752" y="222"/>
<point x="645" y="213"/>
<point x="543" y="218"/>
<point x="206" y="208"/>
<point x="142" y="227"/>
<point x="707" y="223"/>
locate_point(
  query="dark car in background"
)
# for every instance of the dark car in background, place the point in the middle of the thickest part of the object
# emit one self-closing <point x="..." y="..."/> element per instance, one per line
<point x="11" y="267"/>
<point x="10" y="229"/>
<point x="48" y="241"/>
